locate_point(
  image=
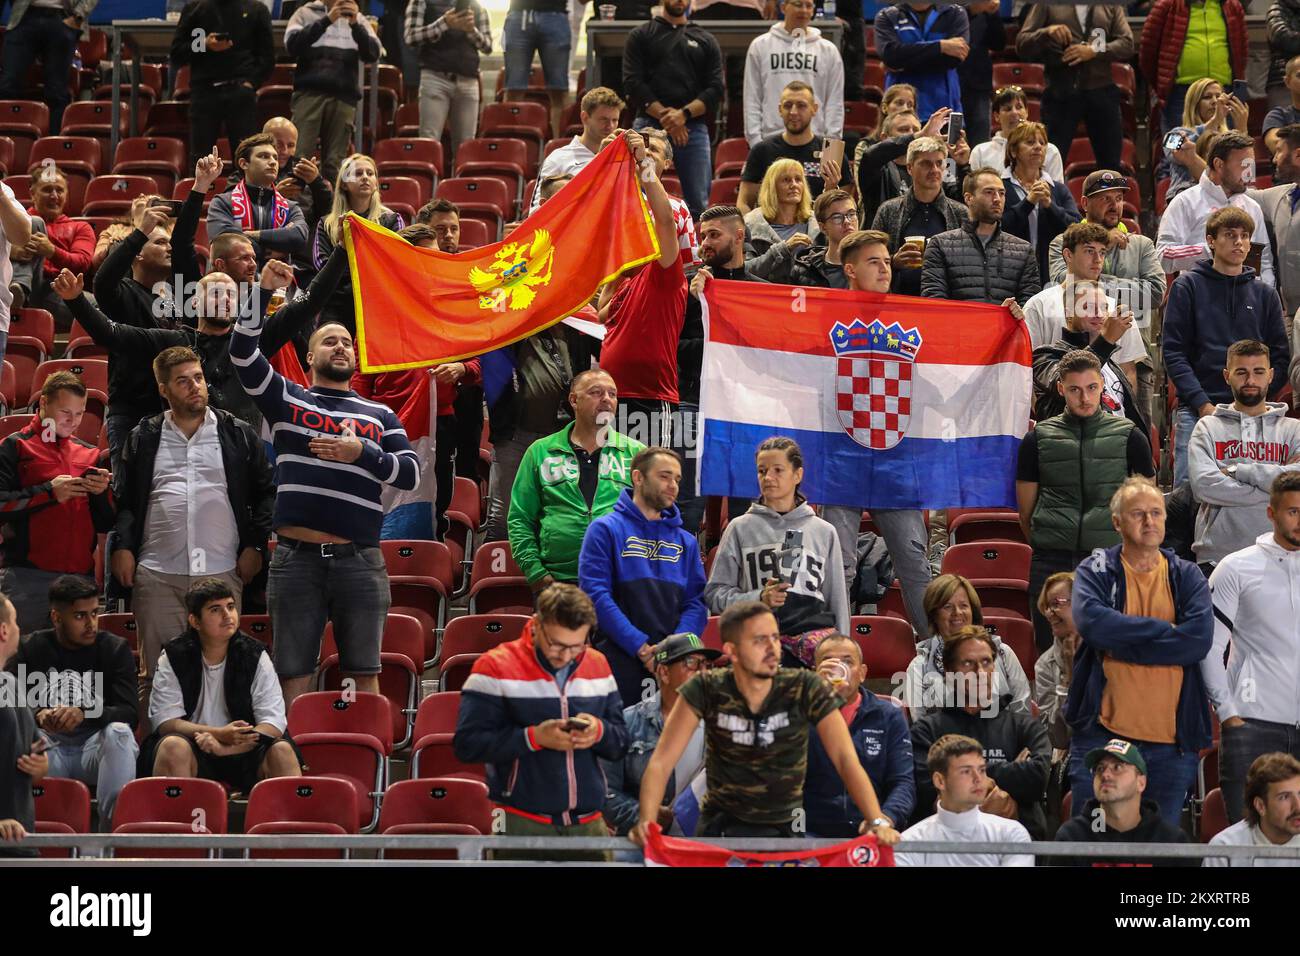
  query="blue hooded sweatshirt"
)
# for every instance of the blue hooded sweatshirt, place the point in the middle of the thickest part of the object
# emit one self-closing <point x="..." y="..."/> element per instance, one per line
<point x="1207" y="311"/>
<point x="908" y="43"/>
<point x="1100" y="596"/>
<point x="645" y="577"/>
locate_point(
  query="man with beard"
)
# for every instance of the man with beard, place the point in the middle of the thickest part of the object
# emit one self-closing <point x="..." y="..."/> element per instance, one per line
<point x="978" y="262"/>
<point x="1272" y="810"/>
<point x="1235" y="455"/>
<point x="643" y="572"/>
<point x="797" y="141"/>
<point x="1181" y="242"/>
<point x="757" y="716"/>
<point x="194" y="498"/>
<point x="334" y="454"/>
<point x="1211" y="306"/>
<point x="215" y="305"/>
<point x="1278" y="204"/>
<point x="1256" y="694"/>
<point x="443" y="217"/>
<point x="1120" y="813"/>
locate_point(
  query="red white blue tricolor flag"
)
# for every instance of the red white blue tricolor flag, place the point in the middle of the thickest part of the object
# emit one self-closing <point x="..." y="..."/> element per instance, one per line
<point x="896" y="401"/>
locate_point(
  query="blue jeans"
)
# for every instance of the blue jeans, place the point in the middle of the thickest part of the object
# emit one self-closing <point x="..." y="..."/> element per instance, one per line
<point x="105" y="760"/>
<point x="40" y="33"/>
<point x="546" y="32"/>
<point x="692" y="162"/>
<point x="1171" y="772"/>
<point x="1238" y="748"/>
<point x="1184" y="421"/>
<point x="305" y="589"/>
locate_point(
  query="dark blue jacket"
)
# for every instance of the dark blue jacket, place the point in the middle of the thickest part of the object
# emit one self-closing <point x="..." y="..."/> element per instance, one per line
<point x="908" y="43"/>
<point x="645" y="577"/>
<point x="1052" y="221"/>
<point x="884" y="748"/>
<point x="1099" y="599"/>
<point x="1207" y="311"/>
<point x="508" y="693"/>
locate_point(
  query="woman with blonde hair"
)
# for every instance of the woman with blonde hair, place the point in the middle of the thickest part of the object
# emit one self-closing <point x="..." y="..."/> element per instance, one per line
<point x="784" y="207"/>
<point x="950" y="605"/>
<point x="355" y="191"/>
<point x="1207" y="110"/>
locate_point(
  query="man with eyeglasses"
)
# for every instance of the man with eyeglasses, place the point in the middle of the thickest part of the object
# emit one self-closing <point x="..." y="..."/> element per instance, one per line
<point x="959" y="774"/>
<point x="539" y="711"/>
<point x="756" y="716"/>
<point x="880" y="738"/>
<point x="677" y="658"/>
<point x="798" y="142"/>
<point x="1015" y="746"/>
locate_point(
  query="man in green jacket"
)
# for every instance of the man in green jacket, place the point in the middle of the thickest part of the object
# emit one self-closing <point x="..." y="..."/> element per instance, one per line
<point x="1068" y="469"/>
<point x="566" y="481"/>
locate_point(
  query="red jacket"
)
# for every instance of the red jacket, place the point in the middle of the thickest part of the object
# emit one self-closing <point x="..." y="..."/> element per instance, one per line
<point x="74" y="245"/>
<point x="49" y="535"/>
<point x="1162" y="42"/>
<point x="393" y="388"/>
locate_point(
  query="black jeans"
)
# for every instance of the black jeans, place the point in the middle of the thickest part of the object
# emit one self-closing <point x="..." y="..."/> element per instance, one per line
<point x="976" y="107"/>
<point x="1042" y="566"/>
<point x="1099" y="110"/>
<point x="854" y="52"/>
<point x="1238" y="749"/>
<point x="40" y="33"/>
<point x="469" y="430"/>
<point x="232" y="107"/>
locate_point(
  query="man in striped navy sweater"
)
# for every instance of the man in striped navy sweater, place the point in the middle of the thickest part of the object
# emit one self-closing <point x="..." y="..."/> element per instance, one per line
<point x="334" y="453"/>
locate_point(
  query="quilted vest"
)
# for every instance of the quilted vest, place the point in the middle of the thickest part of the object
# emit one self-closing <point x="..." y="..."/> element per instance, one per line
<point x="1081" y="462"/>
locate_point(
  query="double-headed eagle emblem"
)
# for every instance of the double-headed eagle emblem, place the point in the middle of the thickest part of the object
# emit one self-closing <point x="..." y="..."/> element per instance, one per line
<point x="512" y="279"/>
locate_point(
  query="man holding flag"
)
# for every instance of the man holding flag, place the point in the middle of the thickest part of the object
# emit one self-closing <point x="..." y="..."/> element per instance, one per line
<point x="334" y="454"/>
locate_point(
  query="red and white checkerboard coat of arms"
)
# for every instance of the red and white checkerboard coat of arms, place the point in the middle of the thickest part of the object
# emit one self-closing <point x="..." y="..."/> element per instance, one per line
<point x="873" y="384"/>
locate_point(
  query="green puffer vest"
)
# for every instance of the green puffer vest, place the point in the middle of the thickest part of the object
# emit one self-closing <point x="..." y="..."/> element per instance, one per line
<point x="1080" y="464"/>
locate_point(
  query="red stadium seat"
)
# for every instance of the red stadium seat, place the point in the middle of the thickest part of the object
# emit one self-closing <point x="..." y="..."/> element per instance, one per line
<point x="112" y="195"/>
<point x="9" y="387"/>
<point x="24" y="121"/>
<point x="454" y="671"/>
<point x="26" y="356"/>
<point x="1214" y="816"/>
<point x="62" y="807"/>
<point x="36" y="323"/>
<point x="861" y="116"/>
<point x="518" y="120"/>
<point x="1018" y="634"/>
<point x="724" y="191"/>
<point x="985" y="526"/>
<point x="76" y="155"/>
<point x="273" y="100"/>
<point x="349" y="736"/>
<point x="169" y="118"/>
<point x="256" y="626"/>
<point x="92" y="372"/>
<point x="888" y="644"/>
<point x="14" y="423"/>
<point x="6" y="155"/>
<point x="712" y="636"/>
<point x="406" y="121"/>
<point x="475" y="233"/>
<point x="160" y="157"/>
<point x="419" y="575"/>
<point x="497" y="158"/>
<point x="401" y="658"/>
<point x="1028" y="76"/>
<point x="170" y="805"/>
<point x="403" y="195"/>
<point x="424" y="807"/>
<point x="301" y="805"/>
<point x="496" y="584"/>
<point x="124" y="626"/>
<point x="485" y="199"/>
<point x="434" y="756"/>
<point x="729" y="159"/>
<point x="553" y="144"/>
<point x="873" y="73"/>
<point x="437" y="715"/>
<point x="476" y="633"/>
<point x="401" y="153"/>
<point x="987" y="560"/>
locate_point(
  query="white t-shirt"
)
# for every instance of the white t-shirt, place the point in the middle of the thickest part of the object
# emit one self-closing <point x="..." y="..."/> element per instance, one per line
<point x="167" y="702"/>
<point x="6" y="267"/>
<point x="973" y="826"/>
<point x="993" y="154"/>
<point x="1242" y="833"/>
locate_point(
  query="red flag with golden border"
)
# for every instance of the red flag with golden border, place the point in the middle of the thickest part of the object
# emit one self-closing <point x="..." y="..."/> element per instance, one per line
<point x="417" y="307"/>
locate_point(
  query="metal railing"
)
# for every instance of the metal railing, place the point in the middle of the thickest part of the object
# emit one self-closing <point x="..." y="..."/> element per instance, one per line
<point x="471" y="849"/>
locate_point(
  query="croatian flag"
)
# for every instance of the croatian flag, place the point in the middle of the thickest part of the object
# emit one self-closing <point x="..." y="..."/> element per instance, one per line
<point x="409" y="514"/>
<point x="896" y="401"/>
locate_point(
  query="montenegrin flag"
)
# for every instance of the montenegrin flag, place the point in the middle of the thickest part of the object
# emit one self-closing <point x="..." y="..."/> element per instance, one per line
<point x="663" y="850"/>
<point x="896" y="401"/>
<point x="422" y="306"/>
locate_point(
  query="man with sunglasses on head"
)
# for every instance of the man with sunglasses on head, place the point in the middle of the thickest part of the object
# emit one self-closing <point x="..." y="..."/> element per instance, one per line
<point x="677" y="658"/>
<point x="539" y="711"/>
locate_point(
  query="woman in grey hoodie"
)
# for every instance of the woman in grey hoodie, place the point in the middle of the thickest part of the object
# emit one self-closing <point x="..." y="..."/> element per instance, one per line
<point x="782" y="554"/>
